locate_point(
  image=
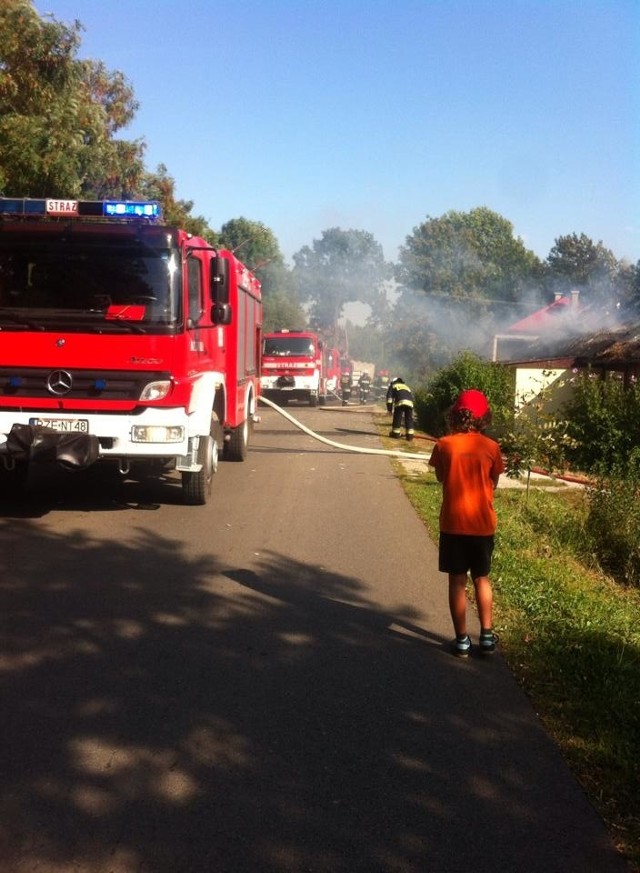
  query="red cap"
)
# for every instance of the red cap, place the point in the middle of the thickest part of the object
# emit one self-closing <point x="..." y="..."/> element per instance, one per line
<point x="474" y="401"/>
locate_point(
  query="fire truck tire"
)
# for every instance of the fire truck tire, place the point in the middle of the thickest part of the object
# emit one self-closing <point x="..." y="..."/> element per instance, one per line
<point x="196" y="487"/>
<point x="313" y="398"/>
<point x="236" y="448"/>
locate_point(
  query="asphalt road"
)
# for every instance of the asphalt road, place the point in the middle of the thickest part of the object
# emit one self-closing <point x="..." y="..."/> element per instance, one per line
<point x="262" y="684"/>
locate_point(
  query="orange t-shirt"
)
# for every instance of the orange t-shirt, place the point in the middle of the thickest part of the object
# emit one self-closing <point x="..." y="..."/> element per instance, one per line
<point x="467" y="464"/>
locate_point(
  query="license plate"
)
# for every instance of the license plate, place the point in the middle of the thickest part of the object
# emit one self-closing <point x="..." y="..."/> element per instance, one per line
<point x="63" y="425"/>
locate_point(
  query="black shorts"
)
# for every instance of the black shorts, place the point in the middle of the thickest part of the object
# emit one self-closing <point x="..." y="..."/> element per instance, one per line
<point x="459" y="553"/>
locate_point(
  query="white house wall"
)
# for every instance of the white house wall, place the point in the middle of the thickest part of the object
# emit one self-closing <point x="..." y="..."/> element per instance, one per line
<point x="541" y="391"/>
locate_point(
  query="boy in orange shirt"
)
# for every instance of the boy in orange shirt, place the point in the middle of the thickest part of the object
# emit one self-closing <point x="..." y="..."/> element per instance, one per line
<point x="468" y="464"/>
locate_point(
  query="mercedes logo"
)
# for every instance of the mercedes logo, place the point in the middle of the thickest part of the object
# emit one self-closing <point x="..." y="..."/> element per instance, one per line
<point x="59" y="382"/>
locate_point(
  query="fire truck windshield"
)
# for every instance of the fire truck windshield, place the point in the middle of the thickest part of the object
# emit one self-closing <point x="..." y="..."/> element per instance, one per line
<point x="94" y="280"/>
<point x="289" y="346"/>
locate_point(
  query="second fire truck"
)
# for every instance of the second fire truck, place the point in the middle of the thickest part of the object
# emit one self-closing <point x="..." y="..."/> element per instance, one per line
<point x="298" y="365"/>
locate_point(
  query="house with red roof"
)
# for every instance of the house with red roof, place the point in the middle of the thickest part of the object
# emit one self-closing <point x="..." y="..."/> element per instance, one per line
<point x="553" y="321"/>
<point x="550" y="347"/>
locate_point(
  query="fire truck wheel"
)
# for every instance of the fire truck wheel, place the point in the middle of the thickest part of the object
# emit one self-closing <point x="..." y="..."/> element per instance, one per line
<point x="236" y="448"/>
<point x="313" y="399"/>
<point x="196" y="487"/>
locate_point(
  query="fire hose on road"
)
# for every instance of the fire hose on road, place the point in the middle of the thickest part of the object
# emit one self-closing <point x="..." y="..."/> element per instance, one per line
<point x="414" y="456"/>
<point x="407" y="456"/>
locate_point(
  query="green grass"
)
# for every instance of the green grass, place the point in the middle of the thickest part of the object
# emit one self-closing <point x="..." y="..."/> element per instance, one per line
<point x="571" y="637"/>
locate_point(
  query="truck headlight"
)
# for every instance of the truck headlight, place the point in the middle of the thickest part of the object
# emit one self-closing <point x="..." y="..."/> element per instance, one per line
<point x="156" y="390"/>
<point x="141" y="433"/>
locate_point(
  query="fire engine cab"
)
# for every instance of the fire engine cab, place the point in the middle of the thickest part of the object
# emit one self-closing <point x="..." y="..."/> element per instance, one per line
<point x="123" y="340"/>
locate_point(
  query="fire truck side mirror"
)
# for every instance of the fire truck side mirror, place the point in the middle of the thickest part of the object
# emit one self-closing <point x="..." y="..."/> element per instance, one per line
<point x="219" y="290"/>
<point x="221" y="313"/>
<point x="219" y="280"/>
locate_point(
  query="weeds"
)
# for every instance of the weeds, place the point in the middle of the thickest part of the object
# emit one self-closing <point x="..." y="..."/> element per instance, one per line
<point x="614" y="523"/>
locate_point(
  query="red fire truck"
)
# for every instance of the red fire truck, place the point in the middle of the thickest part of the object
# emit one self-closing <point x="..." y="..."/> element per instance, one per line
<point x="123" y="340"/>
<point x="332" y="370"/>
<point x="294" y="367"/>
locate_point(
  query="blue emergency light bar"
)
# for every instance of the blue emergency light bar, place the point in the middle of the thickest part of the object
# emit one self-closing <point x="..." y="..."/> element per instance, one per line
<point x="132" y="208"/>
<point x="148" y="210"/>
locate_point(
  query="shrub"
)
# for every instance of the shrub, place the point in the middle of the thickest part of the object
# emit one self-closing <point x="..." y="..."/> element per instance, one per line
<point x="603" y="418"/>
<point x="613" y="523"/>
<point x="466" y="371"/>
<point x="543" y="442"/>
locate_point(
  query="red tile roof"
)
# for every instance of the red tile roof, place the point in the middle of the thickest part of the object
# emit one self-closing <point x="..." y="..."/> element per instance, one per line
<point x="542" y="319"/>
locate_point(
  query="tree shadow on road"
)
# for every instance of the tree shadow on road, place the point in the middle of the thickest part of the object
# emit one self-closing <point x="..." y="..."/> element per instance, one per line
<point x="164" y="713"/>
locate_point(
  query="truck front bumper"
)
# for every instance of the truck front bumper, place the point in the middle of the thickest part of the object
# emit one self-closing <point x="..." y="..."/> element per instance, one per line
<point x="77" y="440"/>
<point x="74" y="451"/>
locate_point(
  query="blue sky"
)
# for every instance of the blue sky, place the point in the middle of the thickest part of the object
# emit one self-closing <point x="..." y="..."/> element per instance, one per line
<point x="374" y="115"/>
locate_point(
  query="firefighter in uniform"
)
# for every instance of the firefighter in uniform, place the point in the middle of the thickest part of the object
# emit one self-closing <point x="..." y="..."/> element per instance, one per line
<point x="400" y="403"/>
<point x="345" y="387"/>
<point x="364" y="384"/>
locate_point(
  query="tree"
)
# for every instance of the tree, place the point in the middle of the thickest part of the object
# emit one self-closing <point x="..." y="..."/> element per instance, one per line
<point x="58" y="115"/>
<point x="629" y="286"/>
<point x="253" y="242"/>
<point x="472" y="256"/>
<point x="577" y="262"/>
<point x="258" y="248"/>
<point x="113" y="168"/>
<point x="160" y="186"/>
<point x="457" y="274"/>
<point x="365" y="344"/>
<point x="415" y="339"/>
<point x="282" y="310"/>
<point x="342" y="266"/>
